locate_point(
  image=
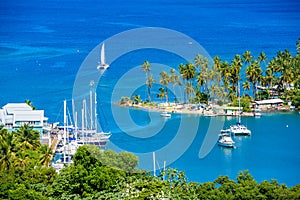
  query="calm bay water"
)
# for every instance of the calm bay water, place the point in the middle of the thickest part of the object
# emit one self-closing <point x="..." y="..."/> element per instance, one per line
<point x="42" y="45"/>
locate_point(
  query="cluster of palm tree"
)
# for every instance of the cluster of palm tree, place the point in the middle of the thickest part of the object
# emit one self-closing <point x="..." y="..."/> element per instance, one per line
<point x="221" y="80"/>
<point x="22" y="149"/>
<point x="196" y="81"/>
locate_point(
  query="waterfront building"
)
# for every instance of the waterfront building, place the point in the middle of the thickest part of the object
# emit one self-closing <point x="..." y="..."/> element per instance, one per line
<point x="232" y="110"/>
<point x="269" y="104"/>
<point x="15" y="115"/>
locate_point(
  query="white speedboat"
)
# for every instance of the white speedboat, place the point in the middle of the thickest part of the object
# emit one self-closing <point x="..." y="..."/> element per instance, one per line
<point x="225" y="140"/>
<point x="165" y="114"/>
<point x="102" y="65"/>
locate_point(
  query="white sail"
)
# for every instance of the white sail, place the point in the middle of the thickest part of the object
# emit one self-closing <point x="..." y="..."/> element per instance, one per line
<point x="102" y="56"/>
<point x="102" y="65"/>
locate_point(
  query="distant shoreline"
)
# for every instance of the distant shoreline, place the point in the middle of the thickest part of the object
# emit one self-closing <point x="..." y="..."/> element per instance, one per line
<point x="210" y="111"/>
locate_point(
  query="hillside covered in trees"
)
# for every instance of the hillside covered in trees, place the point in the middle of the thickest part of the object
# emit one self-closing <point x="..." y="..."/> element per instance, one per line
<point x="95" y="174"/>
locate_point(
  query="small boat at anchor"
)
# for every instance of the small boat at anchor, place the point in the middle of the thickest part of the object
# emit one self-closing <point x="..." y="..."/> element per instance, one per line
<point x="225" y="139"/>
<point x="165" y="114"/>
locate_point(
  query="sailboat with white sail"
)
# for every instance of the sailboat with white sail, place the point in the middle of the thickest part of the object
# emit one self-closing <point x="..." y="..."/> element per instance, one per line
<point x="102" y="65"/>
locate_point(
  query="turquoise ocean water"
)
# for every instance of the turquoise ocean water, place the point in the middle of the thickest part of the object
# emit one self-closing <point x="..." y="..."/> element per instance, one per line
<point x="43" y="43"/>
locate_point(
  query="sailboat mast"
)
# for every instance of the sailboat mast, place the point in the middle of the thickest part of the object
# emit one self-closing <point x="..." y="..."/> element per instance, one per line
<point x="154" y="167"/>
<point x="91" y="108"/>
<point x="239" y="119"/>
<point x="76" y="125"/>
<point x="82" y="121"/>
<point x="96" y="121"/>
<point x="73" y="110"/>
<point x="65" y="128"/>
<point x="85" y="113"/>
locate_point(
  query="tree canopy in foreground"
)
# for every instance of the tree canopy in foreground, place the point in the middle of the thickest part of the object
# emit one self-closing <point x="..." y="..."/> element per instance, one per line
<point x="99" y="174"/>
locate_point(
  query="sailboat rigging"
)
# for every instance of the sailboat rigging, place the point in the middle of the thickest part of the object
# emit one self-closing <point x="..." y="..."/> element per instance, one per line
<point x="90" y="134"/>
<point x="239" y="128"/>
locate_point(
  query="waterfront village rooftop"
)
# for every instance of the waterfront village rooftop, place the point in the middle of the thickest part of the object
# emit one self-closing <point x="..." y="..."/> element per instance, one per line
<point x="15" y="115"/>
<point x="269" y="103"/>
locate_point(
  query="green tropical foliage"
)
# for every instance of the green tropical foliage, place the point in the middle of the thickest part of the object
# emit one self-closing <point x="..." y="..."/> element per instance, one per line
<point x="97" y="174"/>
<point x="149" y="79"/>
<point x="222" y="81"/>
<point x="28" y="102"/>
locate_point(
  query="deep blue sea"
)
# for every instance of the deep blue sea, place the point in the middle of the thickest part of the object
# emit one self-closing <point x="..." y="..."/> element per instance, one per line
<point x="43" y="44"/>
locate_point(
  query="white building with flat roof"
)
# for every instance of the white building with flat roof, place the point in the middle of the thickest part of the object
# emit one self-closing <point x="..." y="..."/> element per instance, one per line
<point x="15" y="115"/>
<point x="269" y="103"/>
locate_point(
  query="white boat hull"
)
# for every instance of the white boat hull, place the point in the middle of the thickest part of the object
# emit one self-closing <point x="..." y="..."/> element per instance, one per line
<point x="226" y="141"/>
<point x="239" y="130"/>
<point x="229" y="145"/>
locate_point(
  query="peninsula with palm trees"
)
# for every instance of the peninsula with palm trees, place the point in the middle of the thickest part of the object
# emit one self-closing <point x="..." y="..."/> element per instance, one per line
<point x="213" y="88"/>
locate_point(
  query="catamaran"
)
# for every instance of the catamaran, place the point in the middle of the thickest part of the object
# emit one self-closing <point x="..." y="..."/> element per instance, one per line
<point x="102" y="65"/>
<point x="239" y="129"/>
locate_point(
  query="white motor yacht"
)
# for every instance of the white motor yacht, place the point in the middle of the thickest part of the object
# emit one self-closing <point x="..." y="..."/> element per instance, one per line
<point x="225" y="140"/>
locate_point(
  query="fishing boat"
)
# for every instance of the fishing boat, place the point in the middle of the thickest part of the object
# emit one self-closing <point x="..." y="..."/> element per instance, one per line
<point x="225" y="139"/>
<point x="102" y="65"/>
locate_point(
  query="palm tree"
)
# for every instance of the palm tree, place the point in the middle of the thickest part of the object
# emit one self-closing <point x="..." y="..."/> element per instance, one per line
<point x="247" y="57"/>
<point x="46" y="155"/>
<point x="181" y="69"/>
<point x="269" y="77"/>
<point x="236" y="65"/>
<point x="246" y="85"/>
<point x="161" y="93"/>
<point x="136" y="99"/>
<point x="179" y="83"/>
<point x="27" y="137"/>
<point x="175" y="80"/>
<point x="7" y="150"/>
<point x="189" y="89"/>
<point x="146" y="68"/>
<point x="165" y="80"/>
<point x="262" y="57"/>
<point x="22" y="160"/>
<point x="283" y="65"/>
<point x="216" y="69"/>
<point x="28" y="102"/>
<point x="217" y="63"/>
<point x="201" y="80"/>
<point x="226" y="73"/>
<point x="254" y="74"/>
<point x="189" y="72"/>
<point x="201" y="62"/>
<point x="149" y="82"/>
<point x="213" y="91"/>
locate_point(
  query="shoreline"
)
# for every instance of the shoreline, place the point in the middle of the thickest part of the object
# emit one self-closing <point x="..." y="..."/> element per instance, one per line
<point x="212" y="111"/>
